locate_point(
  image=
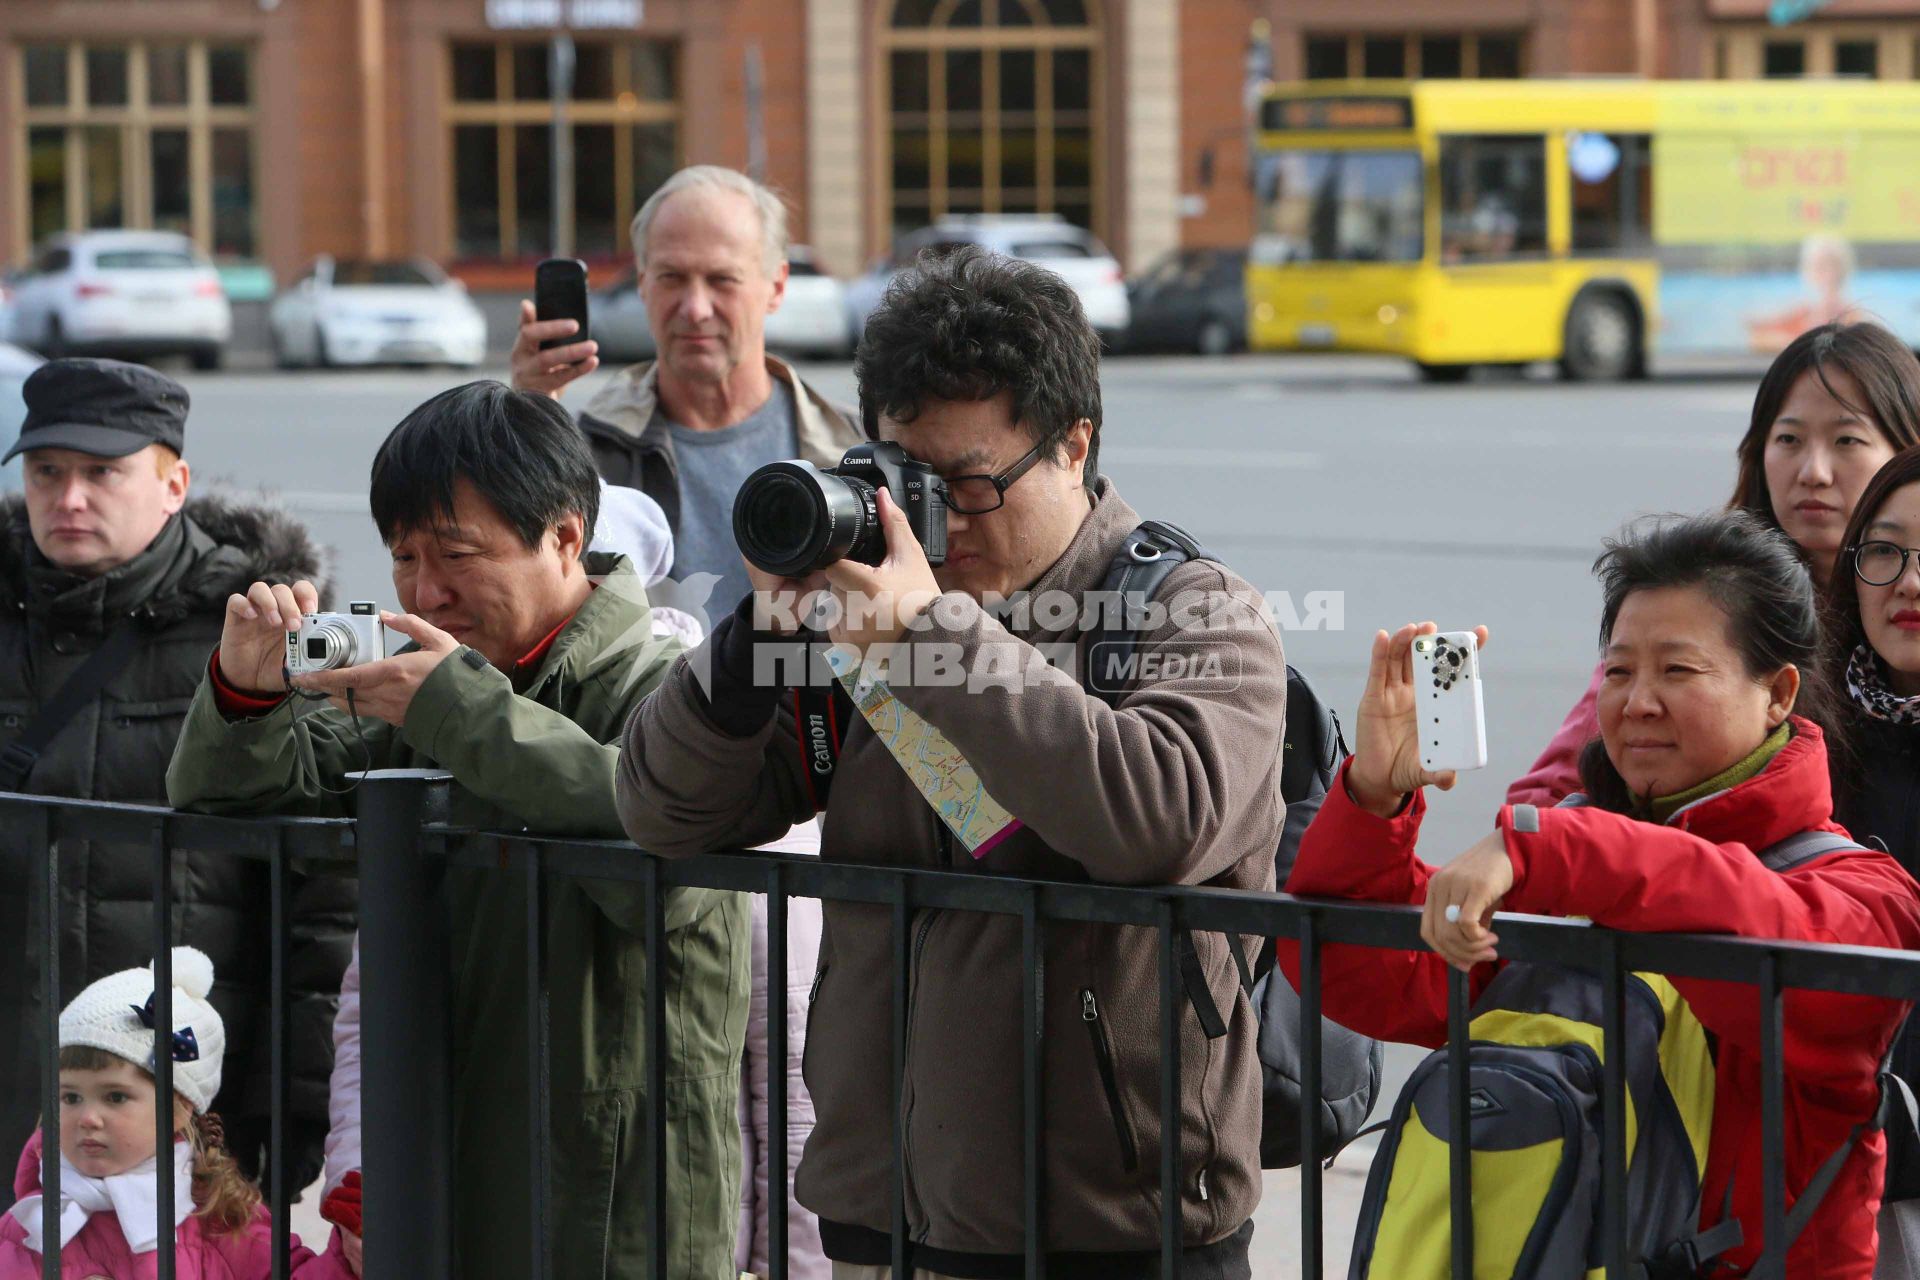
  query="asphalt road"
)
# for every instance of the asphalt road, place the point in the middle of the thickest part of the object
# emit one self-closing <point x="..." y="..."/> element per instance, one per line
<point x="1484" y="503"/>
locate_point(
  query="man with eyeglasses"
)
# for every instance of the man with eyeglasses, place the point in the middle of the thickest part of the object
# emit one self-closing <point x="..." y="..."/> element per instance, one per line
<point x="986" y="369"/>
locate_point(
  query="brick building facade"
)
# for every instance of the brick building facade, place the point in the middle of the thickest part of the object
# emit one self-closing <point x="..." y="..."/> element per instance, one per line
<point x="279" y="129"/>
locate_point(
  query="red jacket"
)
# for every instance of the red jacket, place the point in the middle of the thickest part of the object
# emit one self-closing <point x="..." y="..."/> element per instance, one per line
<point x="1696" y="874"/>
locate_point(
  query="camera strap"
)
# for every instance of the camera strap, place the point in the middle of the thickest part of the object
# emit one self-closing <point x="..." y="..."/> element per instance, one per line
<point x="19" y="756"/>
<point x="821" y="713"/>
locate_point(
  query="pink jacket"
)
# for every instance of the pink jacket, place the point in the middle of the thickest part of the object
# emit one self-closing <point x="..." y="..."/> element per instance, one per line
<point x="1556" y="774"/>
<point x="100" y="1249"/>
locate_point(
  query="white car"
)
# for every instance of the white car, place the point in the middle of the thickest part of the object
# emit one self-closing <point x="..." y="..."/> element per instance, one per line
<point x="354" y="311"/>
<point x="132" y="294"/>
<point x="15" y="365"/>
<point x="1045" y="239"/>
<point x="812" y="319"/>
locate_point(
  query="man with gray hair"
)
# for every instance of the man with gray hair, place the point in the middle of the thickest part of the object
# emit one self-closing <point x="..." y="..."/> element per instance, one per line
<point x="688" y="428"/>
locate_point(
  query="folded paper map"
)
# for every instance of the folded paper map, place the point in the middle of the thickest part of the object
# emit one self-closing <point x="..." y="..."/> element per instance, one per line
<point x="934" y="764"/>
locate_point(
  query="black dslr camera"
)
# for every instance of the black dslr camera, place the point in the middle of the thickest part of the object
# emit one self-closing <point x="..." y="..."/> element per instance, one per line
<point x="791" y="518"/>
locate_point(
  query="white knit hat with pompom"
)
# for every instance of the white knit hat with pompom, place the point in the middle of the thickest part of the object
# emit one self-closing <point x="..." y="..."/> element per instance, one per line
<point x="116" y="1014"/>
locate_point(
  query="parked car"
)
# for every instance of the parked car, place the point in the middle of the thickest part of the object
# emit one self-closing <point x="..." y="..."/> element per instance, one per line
<point x="15" y="365"/>
<point x="1074" y="254"/>
<point x="128" y="294"/>
<point x="376" y="311"/>
<point x="9" y="284"/>
<point x="617" y="320"/>
<point x="1191" y="300"/>
<point x="811" y="321"/>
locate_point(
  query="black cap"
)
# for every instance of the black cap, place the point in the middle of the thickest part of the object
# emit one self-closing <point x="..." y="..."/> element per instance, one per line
<point x="103" y="407"/>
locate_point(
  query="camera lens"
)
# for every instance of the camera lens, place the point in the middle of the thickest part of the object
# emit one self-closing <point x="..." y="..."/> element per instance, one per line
<point x="791" y="518"/>
<point x="330" y="646"/>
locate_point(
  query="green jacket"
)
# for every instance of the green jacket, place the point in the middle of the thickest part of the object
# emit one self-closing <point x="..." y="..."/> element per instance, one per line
<point x="545" y="756"/>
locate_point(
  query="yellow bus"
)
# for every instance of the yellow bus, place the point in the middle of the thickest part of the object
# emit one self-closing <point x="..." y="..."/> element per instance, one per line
<point x="1597" y="224"/>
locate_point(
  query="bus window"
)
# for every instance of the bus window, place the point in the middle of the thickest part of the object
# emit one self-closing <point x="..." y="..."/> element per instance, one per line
<point x="1493" y="198"/>
<point x="1612" y="192"/>
<point x="1339" y="206"/>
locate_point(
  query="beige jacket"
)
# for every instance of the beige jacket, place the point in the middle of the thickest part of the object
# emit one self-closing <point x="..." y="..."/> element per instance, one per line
<point x="1178" y="785"/>
<point x="631" y="449"/>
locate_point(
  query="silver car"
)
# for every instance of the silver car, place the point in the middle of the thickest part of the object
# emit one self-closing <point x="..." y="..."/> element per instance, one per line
<point x="1045" y="239"/>
<point x="15" y="365"/>
<point x="811" y="321"/>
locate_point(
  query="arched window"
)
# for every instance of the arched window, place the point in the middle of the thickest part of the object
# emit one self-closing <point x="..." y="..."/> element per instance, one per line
<point x="992" y="106"/>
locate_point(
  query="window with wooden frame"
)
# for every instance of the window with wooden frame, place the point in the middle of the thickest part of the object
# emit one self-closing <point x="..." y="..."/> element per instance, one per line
<point x="624" y="116"/>
<point x="149" y="134"/>
<point x="991" y="106"/>
<point x="1818" y="51"/>
<point x="1427" y="55"/>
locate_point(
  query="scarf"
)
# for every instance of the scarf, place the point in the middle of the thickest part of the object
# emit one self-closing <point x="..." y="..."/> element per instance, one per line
<point x="1867" y="686"/>
<point x="133" y="1197"/>
<point x="1664" y="807"/>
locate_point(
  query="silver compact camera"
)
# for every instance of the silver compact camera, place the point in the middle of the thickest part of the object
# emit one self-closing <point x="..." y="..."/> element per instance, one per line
<point x="330" y="641"/>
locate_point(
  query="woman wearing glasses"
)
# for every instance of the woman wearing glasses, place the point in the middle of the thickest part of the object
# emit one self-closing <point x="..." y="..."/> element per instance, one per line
<point x="1873" y="653"/>
<point x="1832" y="408"/>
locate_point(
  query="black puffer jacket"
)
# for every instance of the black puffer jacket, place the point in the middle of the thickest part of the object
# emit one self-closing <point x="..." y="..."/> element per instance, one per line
<point x="117" y="748"/>
<point x="1880" y="806"/>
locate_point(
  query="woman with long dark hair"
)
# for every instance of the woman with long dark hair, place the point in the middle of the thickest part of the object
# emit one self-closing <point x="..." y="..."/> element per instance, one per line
<point x="1873" y="653"/>
<point x="1833" y="407"/>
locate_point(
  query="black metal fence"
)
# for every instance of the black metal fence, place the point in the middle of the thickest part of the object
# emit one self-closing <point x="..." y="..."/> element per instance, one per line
<point x="402" y="843"/>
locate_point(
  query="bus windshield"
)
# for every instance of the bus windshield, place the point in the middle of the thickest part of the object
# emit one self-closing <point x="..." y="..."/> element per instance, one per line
<point x="1339" y="206"/>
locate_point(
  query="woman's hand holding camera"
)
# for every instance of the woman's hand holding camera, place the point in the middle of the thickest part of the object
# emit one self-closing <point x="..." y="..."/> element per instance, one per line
<point x="1386" y="755"/>
<point x="253" y="640"/>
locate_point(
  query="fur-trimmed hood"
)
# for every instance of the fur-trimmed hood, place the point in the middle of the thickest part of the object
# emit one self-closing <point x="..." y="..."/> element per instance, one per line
<point x="220" y="543"/>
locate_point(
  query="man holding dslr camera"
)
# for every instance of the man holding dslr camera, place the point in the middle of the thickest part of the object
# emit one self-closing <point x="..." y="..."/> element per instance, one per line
<point x="528" y="653"/>
<point x="986" y="370"/>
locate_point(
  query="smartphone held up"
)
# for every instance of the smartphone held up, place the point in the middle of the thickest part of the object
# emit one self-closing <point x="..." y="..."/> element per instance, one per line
<point x="560" y="293"/>
<point x="1447" y="703"/>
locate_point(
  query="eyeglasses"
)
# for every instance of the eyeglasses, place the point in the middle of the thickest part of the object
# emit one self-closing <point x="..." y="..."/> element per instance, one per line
<point x="977" y="495"/>
<point x="1880" y="564"/>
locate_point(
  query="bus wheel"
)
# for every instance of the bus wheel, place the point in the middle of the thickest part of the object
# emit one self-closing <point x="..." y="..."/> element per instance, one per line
<point x="1603" y="340"/>
<point x="1444" y="373"/>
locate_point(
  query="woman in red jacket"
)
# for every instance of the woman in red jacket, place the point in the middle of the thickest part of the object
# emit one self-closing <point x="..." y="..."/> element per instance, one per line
<point x="1709" y="643"/>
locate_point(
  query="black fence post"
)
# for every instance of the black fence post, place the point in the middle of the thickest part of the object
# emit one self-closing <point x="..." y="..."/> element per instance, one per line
<point x="46" y="855"/>
<point x="405" y="992"/>
<point x="163" y="1025"/>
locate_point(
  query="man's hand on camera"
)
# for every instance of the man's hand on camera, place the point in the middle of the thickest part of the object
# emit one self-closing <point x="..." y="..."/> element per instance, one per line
<point x="385" y="689"/>
<point x="253" y="640"/>
<point x="781" y="606"/>
<point x="548" y="372"/>
<point x="879" y="602"/>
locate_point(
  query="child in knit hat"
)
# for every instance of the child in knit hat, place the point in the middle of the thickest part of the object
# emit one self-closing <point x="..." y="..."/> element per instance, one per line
<point x="107" y="1221"/>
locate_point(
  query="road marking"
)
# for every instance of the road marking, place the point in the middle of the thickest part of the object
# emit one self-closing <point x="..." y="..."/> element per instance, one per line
<point x="1218" y="459"/>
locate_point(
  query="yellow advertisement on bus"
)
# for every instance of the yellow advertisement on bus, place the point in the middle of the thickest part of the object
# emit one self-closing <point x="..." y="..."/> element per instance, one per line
<point x="1596" y="224"/>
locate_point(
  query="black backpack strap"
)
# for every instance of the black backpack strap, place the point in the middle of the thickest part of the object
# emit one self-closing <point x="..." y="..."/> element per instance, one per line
<point x="1139" y="569"/>
<point x="19" y="756"/>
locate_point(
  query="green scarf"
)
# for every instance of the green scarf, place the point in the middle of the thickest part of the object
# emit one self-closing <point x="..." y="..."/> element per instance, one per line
<point x="1664" y="807"/>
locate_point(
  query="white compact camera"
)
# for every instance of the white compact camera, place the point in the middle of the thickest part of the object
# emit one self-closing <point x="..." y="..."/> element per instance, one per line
<point x="1446" y="701"/>
<point x="330" y="641"/>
